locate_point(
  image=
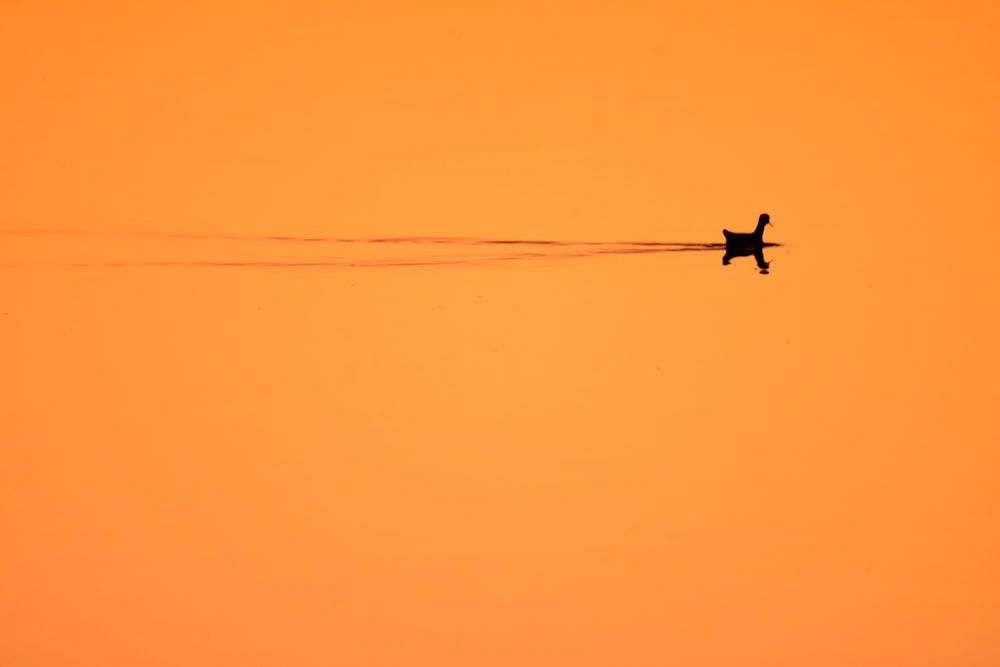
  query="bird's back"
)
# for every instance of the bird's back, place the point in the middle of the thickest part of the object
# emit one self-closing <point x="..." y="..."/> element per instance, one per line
<point x="736" y="236"/>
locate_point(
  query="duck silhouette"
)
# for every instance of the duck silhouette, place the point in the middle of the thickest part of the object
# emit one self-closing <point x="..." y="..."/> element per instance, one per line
<point x="749" y="244"/>
<point x="748" y="240"/>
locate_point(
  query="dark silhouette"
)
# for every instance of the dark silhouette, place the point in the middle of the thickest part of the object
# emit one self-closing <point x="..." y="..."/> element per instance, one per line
<point x="754" y="238"/>
<point x="758" y="254"/>
<point x="745" y="244"/>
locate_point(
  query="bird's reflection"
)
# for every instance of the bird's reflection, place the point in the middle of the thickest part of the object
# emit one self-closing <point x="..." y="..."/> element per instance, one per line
<point x="746" y="251"/>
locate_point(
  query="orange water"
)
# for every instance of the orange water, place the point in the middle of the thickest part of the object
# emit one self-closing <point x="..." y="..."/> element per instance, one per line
<point x="225" y="448"/>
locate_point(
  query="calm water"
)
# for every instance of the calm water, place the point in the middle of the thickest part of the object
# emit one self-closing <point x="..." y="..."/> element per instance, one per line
<point x="398" y="334"/>
<point x="264" y="450"/>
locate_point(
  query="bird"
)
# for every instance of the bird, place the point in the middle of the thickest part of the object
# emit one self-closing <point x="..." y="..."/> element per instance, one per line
<point x="744" y="240"/>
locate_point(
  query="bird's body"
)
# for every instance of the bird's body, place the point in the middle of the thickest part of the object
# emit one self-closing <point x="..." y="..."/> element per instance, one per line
<point x="754" y="238"/>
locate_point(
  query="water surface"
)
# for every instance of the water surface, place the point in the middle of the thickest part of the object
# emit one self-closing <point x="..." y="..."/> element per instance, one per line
<point x="555" y="447"/>
<point x="357" y="334"/>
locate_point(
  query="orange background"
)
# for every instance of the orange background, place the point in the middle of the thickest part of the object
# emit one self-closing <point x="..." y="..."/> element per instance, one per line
<point x="624" y="460"/>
